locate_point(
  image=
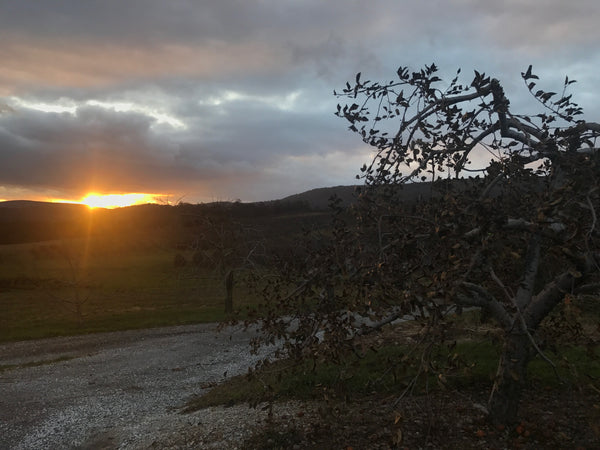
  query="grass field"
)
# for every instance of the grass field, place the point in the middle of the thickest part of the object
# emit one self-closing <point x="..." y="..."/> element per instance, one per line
<point x="386" y="371"/>
<point x="361" y="402"/>
<point x="115" y="269"/>
<point x="80" y="286"/>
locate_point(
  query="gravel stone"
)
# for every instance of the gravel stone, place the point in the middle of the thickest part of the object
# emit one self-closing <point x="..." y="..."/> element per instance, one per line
<point x="123" y="389"/>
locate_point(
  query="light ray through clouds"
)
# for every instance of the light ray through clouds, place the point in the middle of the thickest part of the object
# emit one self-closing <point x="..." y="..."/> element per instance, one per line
<point x="225" y="99"/>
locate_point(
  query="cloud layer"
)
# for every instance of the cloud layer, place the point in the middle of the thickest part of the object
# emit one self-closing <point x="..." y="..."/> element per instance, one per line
<point x="228" y="99"/>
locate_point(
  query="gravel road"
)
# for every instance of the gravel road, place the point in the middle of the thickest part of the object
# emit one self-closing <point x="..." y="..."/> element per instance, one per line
<point x="111" y="390"/>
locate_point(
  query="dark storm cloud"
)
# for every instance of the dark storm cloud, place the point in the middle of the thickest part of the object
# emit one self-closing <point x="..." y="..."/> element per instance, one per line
<point x="233" y="98"/>
<point x="179" y="20"/>
<point x="53" y="150"/>
<point x="95" y="148"/>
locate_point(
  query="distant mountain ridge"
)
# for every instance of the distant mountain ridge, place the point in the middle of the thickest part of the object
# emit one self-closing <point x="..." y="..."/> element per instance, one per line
<point x="34" y="221"/>
<point x="20" y="204"/>
<point x="319" y="198"/>
<point x="316" y="199"/>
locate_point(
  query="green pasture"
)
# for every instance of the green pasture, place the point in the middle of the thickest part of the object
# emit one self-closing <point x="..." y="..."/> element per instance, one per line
<point x="100" y="284"/>
<point x="394" y="368"/>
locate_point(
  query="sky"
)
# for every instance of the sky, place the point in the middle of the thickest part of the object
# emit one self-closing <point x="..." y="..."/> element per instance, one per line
<point x="216" y="100"/>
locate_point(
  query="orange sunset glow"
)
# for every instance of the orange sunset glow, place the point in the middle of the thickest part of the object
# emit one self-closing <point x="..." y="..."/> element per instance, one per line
<point x="94" y="200"/>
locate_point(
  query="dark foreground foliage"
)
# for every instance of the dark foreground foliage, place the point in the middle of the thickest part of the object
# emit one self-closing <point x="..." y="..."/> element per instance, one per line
<point x="517" y="239"/>
<point x="558" y="419"/>
<point x="362" y="401"/>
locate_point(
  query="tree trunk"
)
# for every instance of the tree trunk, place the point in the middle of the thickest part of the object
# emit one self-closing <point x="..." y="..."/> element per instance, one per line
<point x="510" y="379"/>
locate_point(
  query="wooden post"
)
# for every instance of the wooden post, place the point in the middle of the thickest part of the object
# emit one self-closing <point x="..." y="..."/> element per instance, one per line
<point x="229" y="289"/>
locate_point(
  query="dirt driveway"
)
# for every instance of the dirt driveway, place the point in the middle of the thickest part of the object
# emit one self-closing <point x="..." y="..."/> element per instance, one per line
<point x="110" y="390"/>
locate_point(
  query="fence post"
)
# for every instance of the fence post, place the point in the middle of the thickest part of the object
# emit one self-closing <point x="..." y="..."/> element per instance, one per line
<point x="229" y="289"/>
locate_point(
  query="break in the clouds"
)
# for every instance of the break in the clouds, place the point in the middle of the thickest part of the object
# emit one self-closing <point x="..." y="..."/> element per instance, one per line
<point x="225" y="99"/>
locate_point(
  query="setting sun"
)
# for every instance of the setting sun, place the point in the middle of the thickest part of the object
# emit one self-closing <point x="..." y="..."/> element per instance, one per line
<point x="94" y="200"/>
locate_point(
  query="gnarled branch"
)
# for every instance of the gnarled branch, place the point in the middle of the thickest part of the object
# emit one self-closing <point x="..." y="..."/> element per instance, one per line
<point x="482" y="298"/>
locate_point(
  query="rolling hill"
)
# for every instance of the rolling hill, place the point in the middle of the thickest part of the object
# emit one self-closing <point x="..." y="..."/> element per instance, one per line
<point x="24" y="221"/>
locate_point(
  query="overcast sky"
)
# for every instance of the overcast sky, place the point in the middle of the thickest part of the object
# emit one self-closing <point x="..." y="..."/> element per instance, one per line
<point x="224" y="99"/>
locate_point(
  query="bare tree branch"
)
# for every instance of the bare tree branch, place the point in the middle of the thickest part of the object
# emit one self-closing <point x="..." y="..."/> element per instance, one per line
<point x="484" y="299"/>
<point x="440" y="104"/>
<point x="548" y="298"/>
<point x="476" y="140"/>
<point x="593" y="211"/>
<point x="509" y="295"/>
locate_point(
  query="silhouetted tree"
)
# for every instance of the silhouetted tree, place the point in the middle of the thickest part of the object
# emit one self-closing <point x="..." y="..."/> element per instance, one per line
<point x="515" y="240"/>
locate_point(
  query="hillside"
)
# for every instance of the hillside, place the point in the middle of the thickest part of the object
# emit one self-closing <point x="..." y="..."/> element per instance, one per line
<point x="318" y="199"/>
<point x="23" y="221"/>
<point x="27" y="221"/>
